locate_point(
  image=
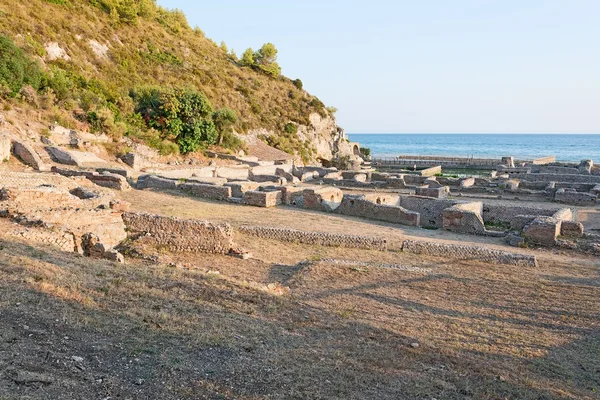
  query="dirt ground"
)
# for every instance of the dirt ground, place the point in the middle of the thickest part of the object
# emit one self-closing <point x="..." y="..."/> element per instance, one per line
<point x="296" y="321"/>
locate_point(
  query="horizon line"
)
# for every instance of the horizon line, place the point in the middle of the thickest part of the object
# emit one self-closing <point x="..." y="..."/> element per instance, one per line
<point x="473" y="133"/>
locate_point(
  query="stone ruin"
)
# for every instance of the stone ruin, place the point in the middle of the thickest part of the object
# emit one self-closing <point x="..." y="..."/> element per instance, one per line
<point x="75" y="216"/>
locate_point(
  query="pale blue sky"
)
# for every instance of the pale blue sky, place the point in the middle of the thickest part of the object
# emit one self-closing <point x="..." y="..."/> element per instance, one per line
<point x="428" y="66"/>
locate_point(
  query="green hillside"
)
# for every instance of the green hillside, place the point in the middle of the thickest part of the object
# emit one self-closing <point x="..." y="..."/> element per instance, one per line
<point x="133" y="68"/>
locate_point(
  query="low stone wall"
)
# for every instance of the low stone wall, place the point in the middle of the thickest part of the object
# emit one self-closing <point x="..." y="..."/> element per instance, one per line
<point x="360" y="206"/>
<point x="207" y="191"/>
<point x="157" y="182"/>
<point x="506" y="213"/>
<point x="430" y="209"/>
<point x="570" y="196"/>
<point x="544" y="160"/>
<point x="468" y="253"/>
<point x="60" y="239"/>
<point x="315" y="238"/>
<point x="239" y="188"/>
<point x="180" y="235"/>
<point x="560" y="178"/>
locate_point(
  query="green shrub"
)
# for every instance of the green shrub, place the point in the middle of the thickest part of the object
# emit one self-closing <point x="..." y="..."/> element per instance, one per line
<point x="224" y="120"/>
<point x="182" y="115"/>
<point x="298" y="83"/>
<point x="195" y="135"/>
<point x="365" y="151"/>
<point x="290" y="128"/>
<point x="16" y="69"/>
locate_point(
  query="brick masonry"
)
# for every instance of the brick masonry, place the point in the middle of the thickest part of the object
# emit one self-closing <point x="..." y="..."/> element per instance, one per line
<point x="468" y="253"/>
<point x="315" y="238"/>
<point x="179" y="234"/>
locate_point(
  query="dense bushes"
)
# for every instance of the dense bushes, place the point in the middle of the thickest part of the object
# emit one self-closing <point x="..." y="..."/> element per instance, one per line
<point x="181" y="115"/>
<point x="16" y="69"/>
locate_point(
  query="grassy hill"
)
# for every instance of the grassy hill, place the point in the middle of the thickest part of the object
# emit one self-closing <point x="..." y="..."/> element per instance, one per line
<point x="96" y="55"/>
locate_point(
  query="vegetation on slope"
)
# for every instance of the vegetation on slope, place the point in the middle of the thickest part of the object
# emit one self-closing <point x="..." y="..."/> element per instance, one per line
<point x="117" y="50"/>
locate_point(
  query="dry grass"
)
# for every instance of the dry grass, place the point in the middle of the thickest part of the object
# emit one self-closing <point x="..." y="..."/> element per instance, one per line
<point x="207" y="326"/>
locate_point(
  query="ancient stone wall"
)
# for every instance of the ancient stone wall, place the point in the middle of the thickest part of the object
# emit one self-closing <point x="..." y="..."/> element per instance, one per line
<point x="180" y="235"/>
<point x="468" y="253"/>
<point x="430" y="209"/>
<point x="360" y="206"/>
<point x="157" y="182"/>
<point x="322" y="199"/>
<point x="571" y="196"/>
<point x="207" y="191"/>
<point x="315" y="238"/>
<point x="239" y="188"/>
<point x="505" y="213"/>
<point x="560" y="178"/>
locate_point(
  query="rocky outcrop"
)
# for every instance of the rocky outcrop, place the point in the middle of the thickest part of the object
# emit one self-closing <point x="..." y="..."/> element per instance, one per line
<point x="327" y="138"/>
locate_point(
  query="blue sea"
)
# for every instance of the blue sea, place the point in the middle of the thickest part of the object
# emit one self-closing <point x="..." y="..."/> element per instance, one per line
<point x="566" y="147"/>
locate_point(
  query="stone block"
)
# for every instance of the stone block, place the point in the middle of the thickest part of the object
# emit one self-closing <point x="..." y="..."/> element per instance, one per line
<point x="112" y="181"/>
<point x="467" y="182"/>
<point x="464" y="218"/>
<point x="28" y="155"/>
<point x="360" y="178"/>
<point x="542" y="231"/>
<point x="435" y="192"/>
<point x="135" y="161"/>
<point x="571" y="228"/>
<point x="262" y="199"/>
<point x="74" y="157"/>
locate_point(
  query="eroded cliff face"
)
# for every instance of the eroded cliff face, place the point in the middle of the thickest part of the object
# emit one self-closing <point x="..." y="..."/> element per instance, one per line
<point x="327" y="138"/>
